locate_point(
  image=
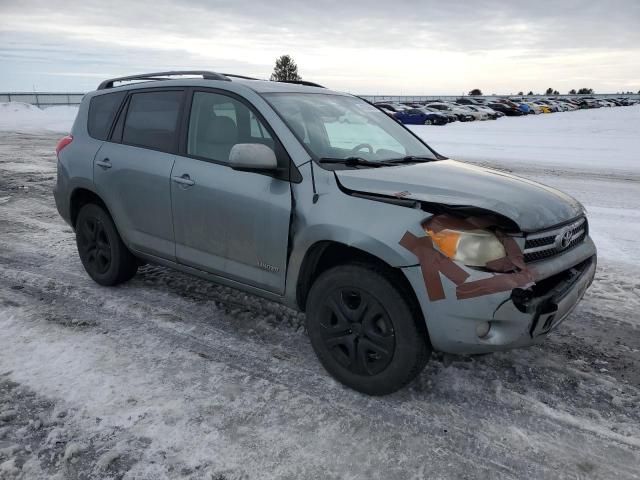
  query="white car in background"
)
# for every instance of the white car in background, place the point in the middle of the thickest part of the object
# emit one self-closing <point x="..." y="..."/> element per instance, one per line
<point x="479" y="113"/>
<point x="493" y="114"/>
<point x="562" y="106"/>
<point x="463" y="114"/>
<point x="570" y="105"/>
<point x="469" y="110"/>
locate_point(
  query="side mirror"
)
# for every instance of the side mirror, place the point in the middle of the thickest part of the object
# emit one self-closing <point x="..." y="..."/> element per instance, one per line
<point x="252" y="156"/>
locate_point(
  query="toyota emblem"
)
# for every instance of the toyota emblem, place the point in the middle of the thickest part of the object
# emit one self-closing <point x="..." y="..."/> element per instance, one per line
<point x="564" y="239"/>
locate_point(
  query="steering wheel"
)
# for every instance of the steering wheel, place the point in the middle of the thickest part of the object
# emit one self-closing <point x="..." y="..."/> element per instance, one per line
<point x="361" y="146"/>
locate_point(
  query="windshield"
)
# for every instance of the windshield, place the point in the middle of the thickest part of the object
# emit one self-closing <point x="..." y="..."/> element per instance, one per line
<point x="340" y="127"/>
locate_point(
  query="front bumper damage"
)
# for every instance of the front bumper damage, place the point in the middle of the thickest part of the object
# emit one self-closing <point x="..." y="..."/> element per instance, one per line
<point x="518" y="316"/>
<point x="550" y="301"/>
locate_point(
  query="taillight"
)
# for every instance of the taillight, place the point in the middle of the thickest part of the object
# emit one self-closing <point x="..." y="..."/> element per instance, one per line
<point x="64" y="141"/>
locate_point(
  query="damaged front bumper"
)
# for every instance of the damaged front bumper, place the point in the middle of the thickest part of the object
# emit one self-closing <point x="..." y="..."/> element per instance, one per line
<point x="509" y="319"/>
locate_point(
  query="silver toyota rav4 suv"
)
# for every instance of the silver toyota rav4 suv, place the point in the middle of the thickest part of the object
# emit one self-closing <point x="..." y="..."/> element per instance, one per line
<point x="321" y="201"/>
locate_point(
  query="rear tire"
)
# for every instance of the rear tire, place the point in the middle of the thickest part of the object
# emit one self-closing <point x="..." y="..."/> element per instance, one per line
<point x="364" y="330"/>
<point x="103" y="254"/>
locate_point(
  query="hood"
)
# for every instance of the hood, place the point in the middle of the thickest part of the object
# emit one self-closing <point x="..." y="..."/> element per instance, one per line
<point x="532" y="206"/>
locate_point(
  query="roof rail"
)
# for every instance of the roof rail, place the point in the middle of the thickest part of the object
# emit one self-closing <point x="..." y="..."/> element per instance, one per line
<point x="301" y="82"/>
<point x="163" y="76"/>
<point x="233" y="75"/>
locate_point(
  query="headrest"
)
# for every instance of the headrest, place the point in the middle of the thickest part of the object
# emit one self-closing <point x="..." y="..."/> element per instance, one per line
<point x="223" y="130"/>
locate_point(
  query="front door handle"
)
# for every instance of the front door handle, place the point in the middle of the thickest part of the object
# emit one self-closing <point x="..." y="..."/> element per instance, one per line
<point x="183" y="180"/>
<point x="106" y="163"/>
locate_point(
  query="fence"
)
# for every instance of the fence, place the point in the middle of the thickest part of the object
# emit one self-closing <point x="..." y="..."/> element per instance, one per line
<point x="44" y="99"/>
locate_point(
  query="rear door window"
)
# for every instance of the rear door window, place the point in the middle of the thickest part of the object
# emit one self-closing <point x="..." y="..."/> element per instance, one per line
<point x="102" y="111"/>
<point x="152" y="120"/>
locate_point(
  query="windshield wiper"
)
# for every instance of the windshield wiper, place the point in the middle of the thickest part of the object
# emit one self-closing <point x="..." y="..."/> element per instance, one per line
<point x="410" y="159"/>
<point x="356" y="162"/>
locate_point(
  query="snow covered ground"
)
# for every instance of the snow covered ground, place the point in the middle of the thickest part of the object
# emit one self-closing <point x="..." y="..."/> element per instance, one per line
<point x="173" y="377"/>
<point x="603" y="140"/>
<point x="25" y="118"/>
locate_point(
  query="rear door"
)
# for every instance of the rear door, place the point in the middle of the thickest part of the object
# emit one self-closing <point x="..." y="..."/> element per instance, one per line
<point x="231" y="223"/>
<point x="132" y="171"/>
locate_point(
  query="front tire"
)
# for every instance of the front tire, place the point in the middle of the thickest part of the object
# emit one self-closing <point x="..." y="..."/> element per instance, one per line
<point x="364" y="330"/>
<point x="428" y="122"/>
<point x="103" y="254"/>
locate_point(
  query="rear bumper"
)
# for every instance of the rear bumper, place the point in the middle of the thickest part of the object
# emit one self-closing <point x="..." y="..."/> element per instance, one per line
<point x="63" y="208"/>
<point x="516" y="318"/>
<point x="61" y="192"/>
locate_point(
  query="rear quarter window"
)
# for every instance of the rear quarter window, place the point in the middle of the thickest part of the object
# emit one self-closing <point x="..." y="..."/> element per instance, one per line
<point x="102" y="111"/>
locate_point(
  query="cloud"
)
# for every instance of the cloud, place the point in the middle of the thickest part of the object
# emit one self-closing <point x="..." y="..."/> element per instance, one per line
<point x="362" y="45"/>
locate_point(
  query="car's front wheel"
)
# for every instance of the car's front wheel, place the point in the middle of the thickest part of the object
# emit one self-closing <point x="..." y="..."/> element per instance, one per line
<point x="428" y="122"/>
<point x="103" y="254"/>
<point x="364" y="330"/>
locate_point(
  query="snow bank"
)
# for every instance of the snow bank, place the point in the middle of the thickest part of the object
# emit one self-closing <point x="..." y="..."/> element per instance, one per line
<point x="604" y="139"/>
<point x="25" y="118"/>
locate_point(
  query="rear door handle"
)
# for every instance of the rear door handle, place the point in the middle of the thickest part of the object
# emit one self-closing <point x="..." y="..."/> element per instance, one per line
<point x="106" y="163"/>
<point x="184" y="179"/>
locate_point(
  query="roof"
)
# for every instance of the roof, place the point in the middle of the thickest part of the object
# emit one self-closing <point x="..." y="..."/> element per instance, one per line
<point x="267" y="86"/>
<point x="175" y="78"/>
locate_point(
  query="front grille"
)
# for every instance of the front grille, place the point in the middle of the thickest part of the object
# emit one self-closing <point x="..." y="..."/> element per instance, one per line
<point x="546" y="244"/>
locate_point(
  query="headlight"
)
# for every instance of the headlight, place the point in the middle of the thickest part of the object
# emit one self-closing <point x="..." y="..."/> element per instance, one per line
<point x="474" y="248"/>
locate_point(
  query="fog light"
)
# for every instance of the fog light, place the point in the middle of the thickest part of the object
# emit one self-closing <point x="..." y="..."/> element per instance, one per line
<point x="482" y="329"/>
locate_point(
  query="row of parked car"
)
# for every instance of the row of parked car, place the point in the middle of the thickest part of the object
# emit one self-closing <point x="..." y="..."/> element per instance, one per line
<point x="467" y="109"/>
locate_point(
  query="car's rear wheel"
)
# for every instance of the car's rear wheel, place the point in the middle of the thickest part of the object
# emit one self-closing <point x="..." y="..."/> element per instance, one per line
<point x="102" y="252"/>
<point x="364" y="330"/>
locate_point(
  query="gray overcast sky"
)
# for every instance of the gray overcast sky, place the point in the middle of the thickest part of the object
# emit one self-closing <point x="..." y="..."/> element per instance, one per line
<point x="391" y="47"/>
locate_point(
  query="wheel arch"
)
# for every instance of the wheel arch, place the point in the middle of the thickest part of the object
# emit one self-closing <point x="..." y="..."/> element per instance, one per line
<point x="326" y="254"/>
<point x="80" y="197"/>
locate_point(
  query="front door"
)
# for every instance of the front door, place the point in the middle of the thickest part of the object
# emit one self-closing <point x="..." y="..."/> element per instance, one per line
<point x="231" y="223"/>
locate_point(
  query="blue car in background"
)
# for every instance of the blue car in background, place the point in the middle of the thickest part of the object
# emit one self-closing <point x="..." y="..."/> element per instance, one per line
<point x="524" y="108"/>
<point x="418" y="116"/>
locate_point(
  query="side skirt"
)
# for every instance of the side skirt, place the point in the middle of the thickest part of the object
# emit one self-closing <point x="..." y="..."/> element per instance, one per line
<point x="214" y="278"/>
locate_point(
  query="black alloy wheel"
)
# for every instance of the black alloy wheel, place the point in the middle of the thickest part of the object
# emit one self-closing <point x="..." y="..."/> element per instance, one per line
<point x="357" y="331"/>
<point x="366" y="327"/>
<point x="94" y="245"/>
<point x="102" y="252"/>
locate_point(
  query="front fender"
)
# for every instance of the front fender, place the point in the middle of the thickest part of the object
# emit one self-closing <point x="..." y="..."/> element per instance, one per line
<point x="389" y="253"/>
<point x="371" y="226"/>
